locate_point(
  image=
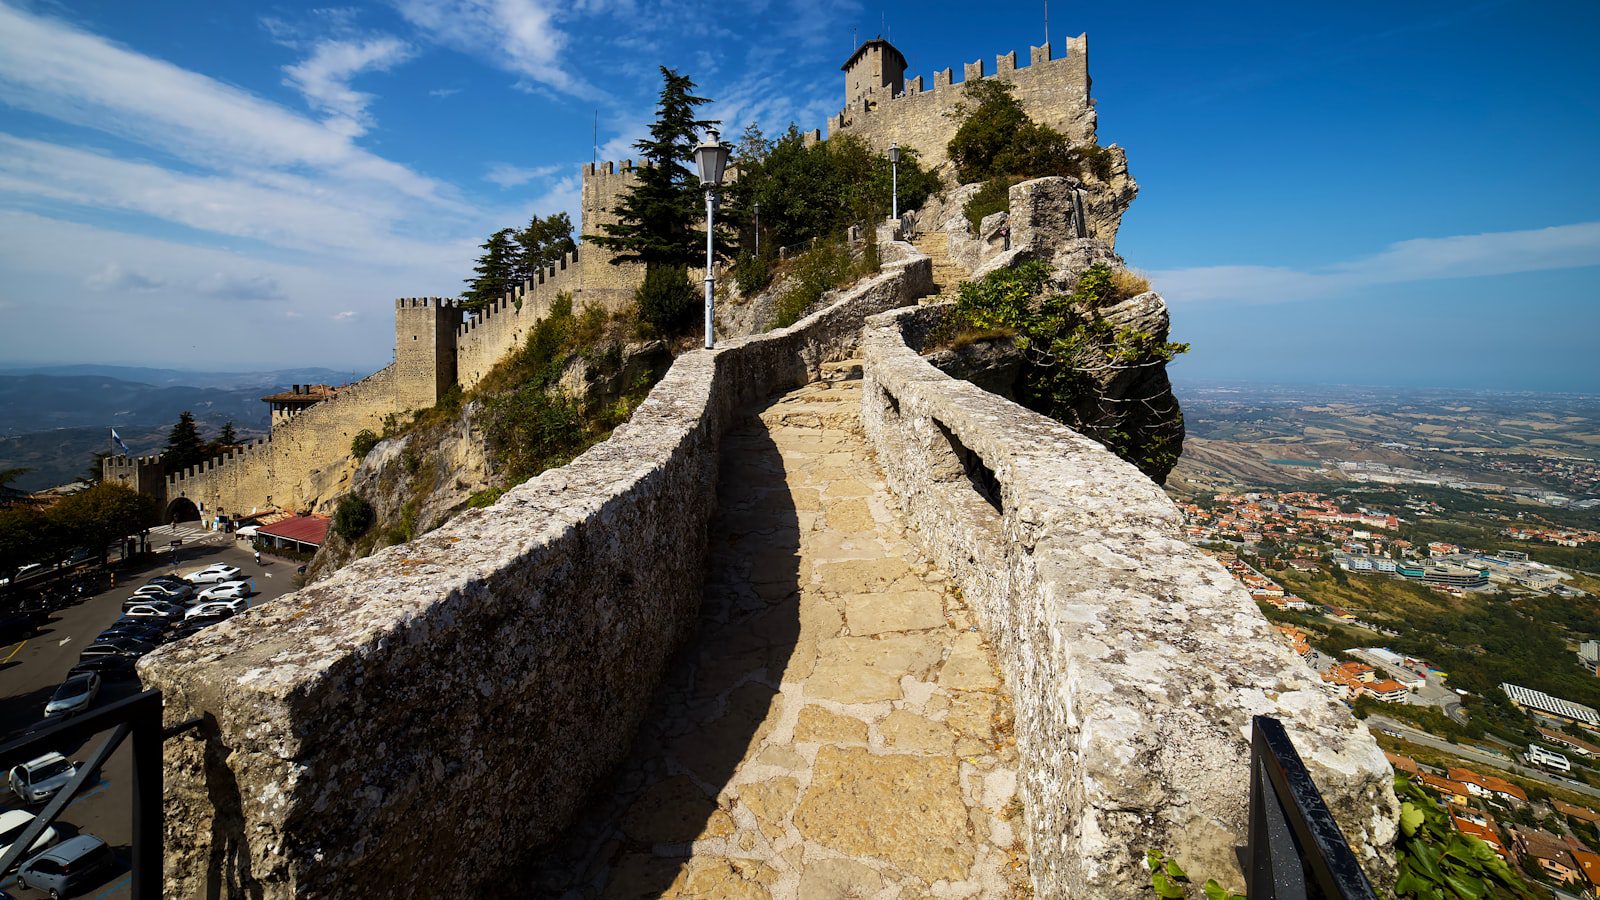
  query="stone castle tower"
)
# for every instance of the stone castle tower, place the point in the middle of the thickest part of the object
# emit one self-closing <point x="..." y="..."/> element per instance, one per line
<point x="876" y="69"/>
<point x="424" y="350"/>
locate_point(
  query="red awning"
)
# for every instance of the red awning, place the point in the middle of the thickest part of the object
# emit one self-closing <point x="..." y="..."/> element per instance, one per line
<point x="302" y="529"/>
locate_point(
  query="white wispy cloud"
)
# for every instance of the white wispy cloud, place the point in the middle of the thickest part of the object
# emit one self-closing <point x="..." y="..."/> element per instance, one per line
<point x="324" y="78"/>
<point x="509" y="176"/>
<point x="235" y="286"/>
<point x="116" y="277"/>
<point x="1420" y="259"/>
<point x="517" y="36"/>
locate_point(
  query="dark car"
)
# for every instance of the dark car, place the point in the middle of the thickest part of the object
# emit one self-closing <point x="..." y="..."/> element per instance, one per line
<point x="109" y="667"/>
<point x="68" y="867"/>
<point x="139" y="629"/>
<point x="173" y="580"/>
<point x="190" y="626"/>
<point x="133" y="649"/>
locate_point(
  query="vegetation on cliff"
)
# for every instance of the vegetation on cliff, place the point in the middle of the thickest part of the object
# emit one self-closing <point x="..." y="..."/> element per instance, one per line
<point x="1072" y="353"/>
<point x="1000" y="145"/>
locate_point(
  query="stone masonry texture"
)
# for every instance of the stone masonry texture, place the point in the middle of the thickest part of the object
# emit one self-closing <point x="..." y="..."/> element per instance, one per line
<point x="837" y="726"/>
<point x="365" y="734"/>
<point x="1133" y="661"/>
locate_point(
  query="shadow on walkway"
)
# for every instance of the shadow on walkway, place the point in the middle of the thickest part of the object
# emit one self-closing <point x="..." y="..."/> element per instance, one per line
<point x="713" y="707"/>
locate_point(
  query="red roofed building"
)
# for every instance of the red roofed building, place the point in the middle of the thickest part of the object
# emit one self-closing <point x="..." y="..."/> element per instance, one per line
<point x="300" y="533"/>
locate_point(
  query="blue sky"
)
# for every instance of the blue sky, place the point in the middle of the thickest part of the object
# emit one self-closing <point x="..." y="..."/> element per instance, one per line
<point x="1357" y="193"/>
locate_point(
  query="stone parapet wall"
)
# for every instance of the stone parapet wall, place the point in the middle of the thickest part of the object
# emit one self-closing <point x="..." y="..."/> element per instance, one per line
<point x="305" y="455"/>
<point x="1133" y="660"/>
<point x="1055" y="92"/>
<point x="432" y="714"/>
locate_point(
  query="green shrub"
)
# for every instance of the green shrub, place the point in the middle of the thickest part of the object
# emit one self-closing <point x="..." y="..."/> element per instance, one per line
<point x="667" y="300"/>
<point x="363" y="443"/>
<point x="532" y="429"/>
<point x="993" y="197"/>
<point x="1437" y="861"/>
<point x="1066" y="345"/>
<point x="353" y="517"/>
<point x="997" y="139"/>
<point x="827" y="266"/>
<point x="752" y="274"/>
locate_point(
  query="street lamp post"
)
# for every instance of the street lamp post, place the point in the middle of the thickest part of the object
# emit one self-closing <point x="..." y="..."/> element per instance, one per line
<point x="894" y="176"/>
<point x="758" y="230"/>
<point x="712" y="158"/>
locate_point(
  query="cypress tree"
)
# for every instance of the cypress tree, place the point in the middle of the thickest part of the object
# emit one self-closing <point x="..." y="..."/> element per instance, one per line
<point x="184" y="446"/>
<point x="496" y="270"/>
<point x="656" y="219"/>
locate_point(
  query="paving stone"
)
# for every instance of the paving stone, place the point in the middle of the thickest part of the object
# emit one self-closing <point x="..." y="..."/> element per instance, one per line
<point x="906" y="731"/>
<point x="833" y="879"/>
<point x="817" y="725"/>
<point x="901" y="611"/>
<point x="770" y="801"/>
<point x="968" y="667"/>
<point x="904" y="810"/>
<point x="673" y="811"/>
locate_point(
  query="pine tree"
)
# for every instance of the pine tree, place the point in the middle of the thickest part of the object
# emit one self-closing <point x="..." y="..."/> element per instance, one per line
<point x="496" y="270"/>
<point x="656" y="219"/>
<point x="227" y="437"/>
<point x="541" y="245"/>
<point x="184" y="446"/>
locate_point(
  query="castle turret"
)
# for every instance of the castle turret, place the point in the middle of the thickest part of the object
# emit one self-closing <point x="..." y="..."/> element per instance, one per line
<point x="876" y="71"/>
<point x="424" y="349"/>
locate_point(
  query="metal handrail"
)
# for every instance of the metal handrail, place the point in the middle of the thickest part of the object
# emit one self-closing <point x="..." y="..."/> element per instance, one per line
<point x="138" y="717"/>
<point x="1295" y="850"/>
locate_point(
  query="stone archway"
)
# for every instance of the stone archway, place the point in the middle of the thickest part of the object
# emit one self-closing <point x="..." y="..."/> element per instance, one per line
<point x="182" y="510"/>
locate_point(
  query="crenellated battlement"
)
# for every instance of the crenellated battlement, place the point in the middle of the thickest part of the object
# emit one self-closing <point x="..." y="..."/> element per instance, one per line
<point x="1054" y="90"/>
<point x="427" y="302"/>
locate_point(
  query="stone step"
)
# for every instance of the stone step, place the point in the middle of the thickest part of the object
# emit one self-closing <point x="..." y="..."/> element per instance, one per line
<point x="844" y="370"/>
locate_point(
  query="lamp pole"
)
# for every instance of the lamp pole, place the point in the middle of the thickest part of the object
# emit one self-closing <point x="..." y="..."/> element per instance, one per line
<point x="894" y="177"/>
<point x="712" y="158"/>
<point x="758" y="230"/>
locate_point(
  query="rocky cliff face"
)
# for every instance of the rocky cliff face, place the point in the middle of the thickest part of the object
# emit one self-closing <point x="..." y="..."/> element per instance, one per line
<point x="1124" y="399"/>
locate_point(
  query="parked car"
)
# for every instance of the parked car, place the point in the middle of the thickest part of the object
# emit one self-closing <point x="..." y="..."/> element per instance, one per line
<point x="12" y="823"/>
<point x="74" y="695"/>
<point x="165" y="592"/>
<point x="227" y="590"/>
<point x="18" y="624"/>
<point x="193" y="626"/>
<point x="222" y="608"/>
<point x="109" y="667"/>
<point x="213" y="574"/>
<point x="68" y="867"/>
<point x="143" y="628"/>
<point x="132" y="649"/>
<point x="167" y="579"/>
<point x="37" y="780"/>
<point x="170" y="612"/>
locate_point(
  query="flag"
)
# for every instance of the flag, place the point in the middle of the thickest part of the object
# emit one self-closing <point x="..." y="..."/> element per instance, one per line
<point x="117" y="439"/>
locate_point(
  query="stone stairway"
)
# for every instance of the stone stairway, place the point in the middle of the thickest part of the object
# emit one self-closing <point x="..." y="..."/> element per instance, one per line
<point x="837" y="726"/>
<point x="947" y="276"/>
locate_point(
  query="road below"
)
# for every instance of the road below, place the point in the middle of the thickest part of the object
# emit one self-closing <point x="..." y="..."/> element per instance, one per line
<point x="31" y="670"/>
<point x="1428" y="740"/>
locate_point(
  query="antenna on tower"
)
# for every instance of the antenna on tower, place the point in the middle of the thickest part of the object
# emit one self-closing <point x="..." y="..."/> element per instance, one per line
<point x="594" y="156"/>
<point x="1047" y="23"/>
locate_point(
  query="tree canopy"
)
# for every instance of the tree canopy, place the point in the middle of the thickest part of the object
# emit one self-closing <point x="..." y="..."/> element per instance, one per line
<point x="496" y="271"/>
<point x="997" y="139"/>
<point x="656" y="218"/>
<point x="184" y="445"/>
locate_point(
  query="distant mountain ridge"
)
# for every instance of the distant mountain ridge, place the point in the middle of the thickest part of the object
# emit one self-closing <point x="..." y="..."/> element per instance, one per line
<point x="53" y="419"/>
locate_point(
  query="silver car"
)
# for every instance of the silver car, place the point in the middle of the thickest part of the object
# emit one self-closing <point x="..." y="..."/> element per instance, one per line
<point x="74" y="695"/>
<point x="37" y="780"/>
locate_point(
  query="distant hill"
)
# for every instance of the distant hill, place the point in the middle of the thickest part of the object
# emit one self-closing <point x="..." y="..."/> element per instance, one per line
<point x="53" y="419"/>
<point x="182" y="378"/>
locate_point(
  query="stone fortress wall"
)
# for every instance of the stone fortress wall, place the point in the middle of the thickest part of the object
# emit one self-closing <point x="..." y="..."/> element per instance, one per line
<point x="587" y="274"/>
<point x="530" y="636"/>
<point x="1055" y="92"/>
<point x="307" y="456"/>
<point x="1133" y="660"/>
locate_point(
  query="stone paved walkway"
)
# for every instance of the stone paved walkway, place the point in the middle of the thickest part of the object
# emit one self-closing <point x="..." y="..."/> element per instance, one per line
<point x="837" y="727"/>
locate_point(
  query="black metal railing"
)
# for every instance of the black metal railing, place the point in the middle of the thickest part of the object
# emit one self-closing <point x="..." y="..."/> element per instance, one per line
<point x="137" y="717"/>
<point x="1296" y="850"/>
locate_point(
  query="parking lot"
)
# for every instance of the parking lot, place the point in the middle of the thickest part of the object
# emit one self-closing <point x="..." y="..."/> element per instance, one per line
<point x="31" y="670"/>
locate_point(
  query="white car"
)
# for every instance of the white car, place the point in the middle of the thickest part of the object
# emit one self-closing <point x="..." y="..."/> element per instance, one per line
<point x="154" y="610"/>
<point x="218" y="608"/>
<point x="212" y="574"/>
<point x="12" y="822"/>
<point x="37" y="780"/>
<point x="74" y="695"/>
<point x="228" y="590"/>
